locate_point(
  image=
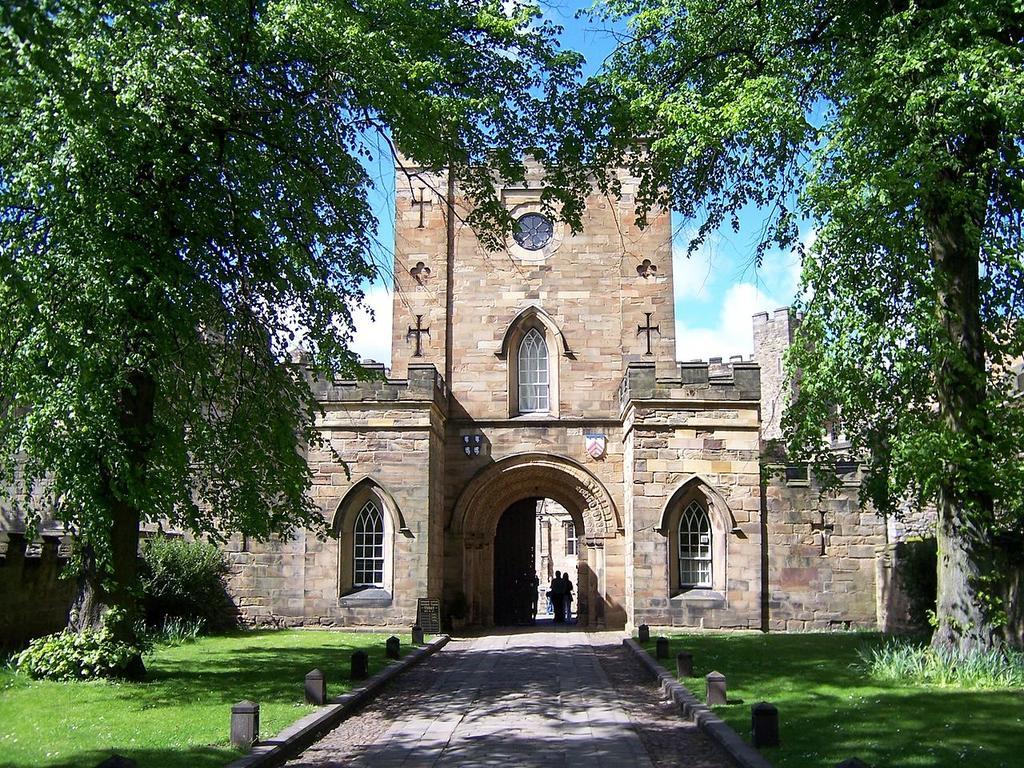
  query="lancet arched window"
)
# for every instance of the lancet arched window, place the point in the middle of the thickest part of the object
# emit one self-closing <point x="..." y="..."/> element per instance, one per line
<point x="695" y="547"/>
<point x="533" y="374"/>
<point x="368" y="547"/>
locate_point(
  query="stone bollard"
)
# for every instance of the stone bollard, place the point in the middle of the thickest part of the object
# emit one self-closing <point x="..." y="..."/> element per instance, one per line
<point x="643" y="633"/>
<point x="853" y="762"/>
<point x="684" y="664"/>
<point x="716" y="688"/>
<point x="661" y="648"/>
<point x="245" y="724"/>
<point x="764" y="725"/>
<point x="316" y="687"/>
<point x="392" y="646"/>
<point x="118" y="761"/>
<point x="360" y="666"/>
<point x="417" y="635"/>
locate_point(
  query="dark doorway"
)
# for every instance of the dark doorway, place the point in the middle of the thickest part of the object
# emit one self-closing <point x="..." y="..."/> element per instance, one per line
<point x="514" y="544"/>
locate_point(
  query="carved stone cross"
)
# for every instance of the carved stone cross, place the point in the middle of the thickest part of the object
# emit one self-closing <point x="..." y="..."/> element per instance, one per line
<point x="418" y="332"/>
<point x="647" y="329"/>
<point x="825" y="529"/>
<point x="421" y="204"/>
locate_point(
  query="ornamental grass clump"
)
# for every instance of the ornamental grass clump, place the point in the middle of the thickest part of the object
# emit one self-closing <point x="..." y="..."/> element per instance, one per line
<point x="178" y="631"/>
<point x="904" y="661"/>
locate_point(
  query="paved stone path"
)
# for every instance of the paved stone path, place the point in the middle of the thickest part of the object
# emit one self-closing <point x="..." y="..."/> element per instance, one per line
<point x="525" y="699"/>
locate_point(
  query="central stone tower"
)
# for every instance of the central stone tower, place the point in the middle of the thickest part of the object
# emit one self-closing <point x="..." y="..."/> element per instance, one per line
<point x="600" y="298"/>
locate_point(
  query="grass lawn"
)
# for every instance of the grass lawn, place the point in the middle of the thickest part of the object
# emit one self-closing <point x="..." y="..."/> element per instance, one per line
<point x="829" y="710"/>
<point x="180" y="715"/>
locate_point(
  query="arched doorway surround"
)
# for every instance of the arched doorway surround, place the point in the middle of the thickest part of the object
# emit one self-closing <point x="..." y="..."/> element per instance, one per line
<point x="485" y="498"/>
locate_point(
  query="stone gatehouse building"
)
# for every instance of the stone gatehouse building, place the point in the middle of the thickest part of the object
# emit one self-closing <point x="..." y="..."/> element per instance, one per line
<point x="547" y="370"/>
<point x="542" y="377"/>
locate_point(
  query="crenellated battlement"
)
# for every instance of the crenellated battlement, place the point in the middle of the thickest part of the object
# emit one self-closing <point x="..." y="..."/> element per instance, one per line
<point x="423" y="384"/>
<point x="713" y="379"/>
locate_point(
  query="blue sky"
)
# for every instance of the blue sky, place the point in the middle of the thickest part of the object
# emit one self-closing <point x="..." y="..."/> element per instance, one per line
<point x="717" y="290"/>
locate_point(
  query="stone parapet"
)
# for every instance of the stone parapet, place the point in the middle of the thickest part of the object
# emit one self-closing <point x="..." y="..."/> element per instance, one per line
<point x="698" y="380"/>
<point x="423" y="384"/>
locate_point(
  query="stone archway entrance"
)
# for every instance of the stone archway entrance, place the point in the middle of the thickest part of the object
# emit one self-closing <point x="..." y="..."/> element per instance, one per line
<point x="474" y="523"/>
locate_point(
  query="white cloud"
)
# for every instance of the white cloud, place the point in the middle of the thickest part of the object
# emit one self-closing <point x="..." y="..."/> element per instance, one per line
<point x="733" y="333"/>
<point x="372" y="337"/>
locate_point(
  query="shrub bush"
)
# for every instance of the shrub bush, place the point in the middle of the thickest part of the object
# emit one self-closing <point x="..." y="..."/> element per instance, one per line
<point x="184" y="580"/>
<point x="68" y="655"/>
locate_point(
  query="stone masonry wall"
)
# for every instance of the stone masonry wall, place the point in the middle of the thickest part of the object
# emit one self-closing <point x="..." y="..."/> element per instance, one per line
<point x="812" y="587"/>
<point x="382" y="430"/>
<point x="773" y="335"/>
<point x="420" y="271"/>
<point x="34" y="597"/>
<point x="695" y="434"/>
<point x="595" y="285"/>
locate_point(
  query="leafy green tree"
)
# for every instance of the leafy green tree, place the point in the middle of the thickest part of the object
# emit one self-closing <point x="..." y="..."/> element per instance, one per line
<point x="895" y="129"/>
<point x="181" y="192"/>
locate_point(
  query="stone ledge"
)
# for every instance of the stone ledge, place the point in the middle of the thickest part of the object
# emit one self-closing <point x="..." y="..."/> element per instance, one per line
<point x="307" y="730"/>
<point x="698" y="598"/>
<point x="367" y="598"/>
<point x="744" y="755"/>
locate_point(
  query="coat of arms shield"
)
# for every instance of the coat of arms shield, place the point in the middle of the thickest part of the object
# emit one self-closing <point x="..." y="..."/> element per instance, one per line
<point x="595" y="445"/>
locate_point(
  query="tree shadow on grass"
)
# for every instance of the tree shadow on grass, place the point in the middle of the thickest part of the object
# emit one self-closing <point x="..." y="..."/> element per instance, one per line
<point x="267" y="672"/>
<point x="191" y="757"/>
<point x="898" y="729"/>
<point x="831" y="709"/>
<point x="187" y="698"/>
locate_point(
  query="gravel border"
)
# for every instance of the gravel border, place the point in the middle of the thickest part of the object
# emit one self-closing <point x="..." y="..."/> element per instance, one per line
<point x="711" y="724"/>
<point x="299" y="735"/>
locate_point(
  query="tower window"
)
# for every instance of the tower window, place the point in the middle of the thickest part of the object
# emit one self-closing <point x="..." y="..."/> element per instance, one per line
<point x="533" y="374"/>
<point x="368" y="547"/>
<point x="694" y="547"/>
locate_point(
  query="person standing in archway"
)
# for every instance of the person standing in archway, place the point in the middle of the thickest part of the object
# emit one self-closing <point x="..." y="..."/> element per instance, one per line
<point x="566" y="598"/>
<point x="534" y="597"/>
<point x="558" y="597"/>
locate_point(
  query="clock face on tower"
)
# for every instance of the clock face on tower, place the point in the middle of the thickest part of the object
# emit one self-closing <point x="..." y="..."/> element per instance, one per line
<point x="533" y="231"/>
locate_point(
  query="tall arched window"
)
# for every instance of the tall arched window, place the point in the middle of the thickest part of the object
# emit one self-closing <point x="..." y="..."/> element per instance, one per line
<point x="533" y="374"/>
<point x="694" y="547"/>
<point x="368" y="547"/>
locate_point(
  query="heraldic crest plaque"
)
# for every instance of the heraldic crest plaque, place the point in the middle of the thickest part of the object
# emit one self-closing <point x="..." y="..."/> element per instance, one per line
<point x="595" y="445"/>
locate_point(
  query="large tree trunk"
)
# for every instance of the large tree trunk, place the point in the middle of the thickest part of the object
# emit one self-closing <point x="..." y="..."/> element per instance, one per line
<point x="965" y="505"/>
<point x="87" y="608"/>
<point x="116" y="585"/>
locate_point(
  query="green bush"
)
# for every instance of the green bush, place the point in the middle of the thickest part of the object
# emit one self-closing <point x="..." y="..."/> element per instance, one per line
<point x="90" y="654"/>
<point x="184" y="580"/>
